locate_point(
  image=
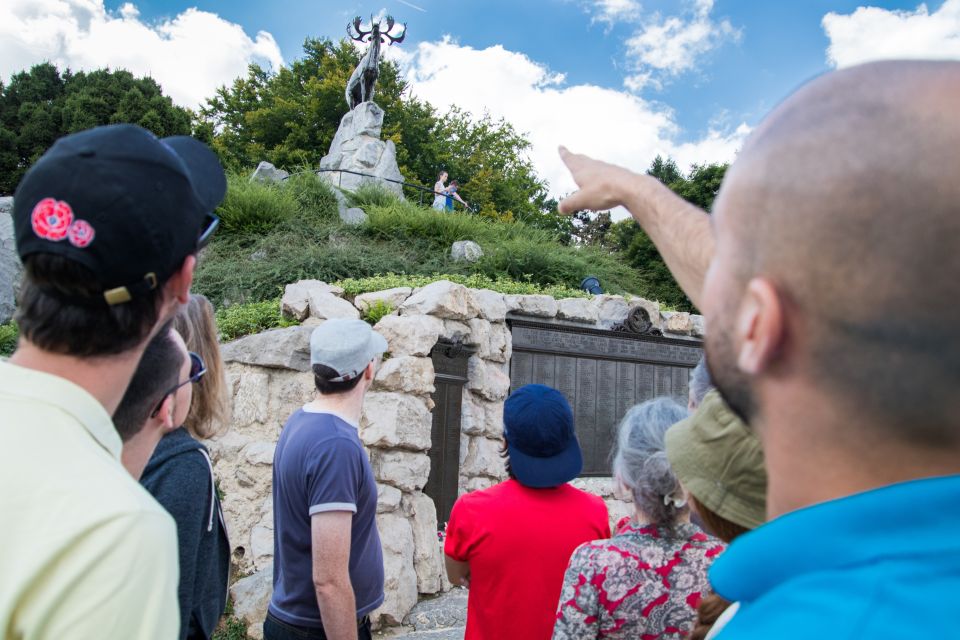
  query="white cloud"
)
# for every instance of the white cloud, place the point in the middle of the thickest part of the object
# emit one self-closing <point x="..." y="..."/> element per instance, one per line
<point x="668" y="46"/>
<point x="870" y="33"/>
<point x="190" y="55"/>
<point x="615" y="126"/>
<point x="612" y="11"/>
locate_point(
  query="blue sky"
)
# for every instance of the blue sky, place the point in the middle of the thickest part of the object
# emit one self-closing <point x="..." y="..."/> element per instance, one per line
<point x="620" y="79"/>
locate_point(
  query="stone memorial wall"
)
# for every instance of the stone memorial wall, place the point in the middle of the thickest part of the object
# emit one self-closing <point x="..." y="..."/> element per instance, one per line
<point x="270" y="378"/>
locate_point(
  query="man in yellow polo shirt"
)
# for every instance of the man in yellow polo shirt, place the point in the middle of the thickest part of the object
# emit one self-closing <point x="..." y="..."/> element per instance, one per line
<point x="107" y="224"/>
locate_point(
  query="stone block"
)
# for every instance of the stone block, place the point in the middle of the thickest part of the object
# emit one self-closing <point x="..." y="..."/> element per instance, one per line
<point x="443" y="299"/>
<point x="465" y="251"/>
<point x="456" y="331"/>
<point x="259" y="453"/>
<point x="251" y="597"/>
<point x="678" y="323"/>
<point x="410" y="335"/>
<point x="266" y="172"/>
<point x="491" y="304"/>
<point x="486" y="380"/>
<point x="699" y="329"/>
<point x="483" y="458"/>
<point x="578" y="310"/>
<point x="427" y="552"/>
<point x="10" y="267"/>
<point x="388" y="498"/>
<point x="394" y="297"/>
<point x="538" y="306"/>
<point x="405" y="470"/>
<point x="353" y="216"/>
<point x="326" y="306"/>
<point x="287" y="348"/>
<point x="481" y="417"/>
<point x="392" y="420"/>
<point x="611" y="310"/>
<point x="409" y="374"/>
<point x="400" y="586"/>
<point x="251" y="402"/>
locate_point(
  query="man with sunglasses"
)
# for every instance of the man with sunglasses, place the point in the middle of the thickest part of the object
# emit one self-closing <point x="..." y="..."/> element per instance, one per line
<point x="158" y="398"/>
<point x="108" y="223"/>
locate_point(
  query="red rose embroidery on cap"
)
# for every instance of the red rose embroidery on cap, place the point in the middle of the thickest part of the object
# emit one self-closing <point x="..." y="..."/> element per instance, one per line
<point x="81" y="234"/>
<point x="51" y="219"/>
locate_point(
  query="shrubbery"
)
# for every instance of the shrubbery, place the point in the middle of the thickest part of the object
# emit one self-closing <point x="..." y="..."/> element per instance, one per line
<point x="8" y="338"/>
<point x="255" y="206"/>
<point x="243" y="319"/>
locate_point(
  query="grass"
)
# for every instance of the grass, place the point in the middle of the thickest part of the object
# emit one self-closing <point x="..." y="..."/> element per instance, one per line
<point x="356" y="286"/>
<point x="240" y="320"/>
<point x="263" y="247"/>
<point x="8" y="338"/>
<point x="230" y="627"/>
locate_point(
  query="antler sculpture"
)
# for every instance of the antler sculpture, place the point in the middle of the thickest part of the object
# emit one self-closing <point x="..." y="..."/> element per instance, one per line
<point x="364" y="77"/>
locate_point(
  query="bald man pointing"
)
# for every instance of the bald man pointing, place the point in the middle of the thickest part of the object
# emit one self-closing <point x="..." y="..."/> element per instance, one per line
<point x="829" y="274"/>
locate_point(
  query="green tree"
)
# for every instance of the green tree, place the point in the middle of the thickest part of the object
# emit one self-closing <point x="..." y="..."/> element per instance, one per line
<point x="699" y="187"/>
<point x="40" y="105"/>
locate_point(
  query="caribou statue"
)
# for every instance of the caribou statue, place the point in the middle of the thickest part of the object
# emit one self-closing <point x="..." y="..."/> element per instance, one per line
<point x="364" y="77"/>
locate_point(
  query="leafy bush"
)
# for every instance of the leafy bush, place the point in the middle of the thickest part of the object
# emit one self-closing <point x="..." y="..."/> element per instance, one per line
<point x="254" y="206"/>
<point x="356" y="286"/>
<point x="8" y="338"/>
<point x="372" y="194"/>
<point x="376" y="311"/>
<point x="314" y="195"/>
<point x="254" y="317"/>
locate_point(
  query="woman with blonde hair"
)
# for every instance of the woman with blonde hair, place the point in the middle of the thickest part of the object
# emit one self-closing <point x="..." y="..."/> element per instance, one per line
<point x="180" y="476"/>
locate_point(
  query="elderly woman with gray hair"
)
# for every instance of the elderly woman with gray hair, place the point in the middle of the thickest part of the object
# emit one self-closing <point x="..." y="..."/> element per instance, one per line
<point x="649" y="578"/>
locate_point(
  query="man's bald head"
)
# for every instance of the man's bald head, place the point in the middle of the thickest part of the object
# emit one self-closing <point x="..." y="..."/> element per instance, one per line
<point x="847" y="197"/>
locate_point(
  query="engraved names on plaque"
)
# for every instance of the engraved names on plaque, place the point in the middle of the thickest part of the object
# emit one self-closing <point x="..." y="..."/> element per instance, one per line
<point x="602" y="374"/>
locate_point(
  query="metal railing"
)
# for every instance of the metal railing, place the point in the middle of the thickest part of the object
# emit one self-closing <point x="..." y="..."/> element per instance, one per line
<point x="419" y="188"/>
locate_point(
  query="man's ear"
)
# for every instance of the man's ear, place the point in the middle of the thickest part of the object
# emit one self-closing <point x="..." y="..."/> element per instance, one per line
<point x="178" y="285"/>
<point x="371" y="371"/>
<point x="164" y="417"/>
<point x="760" y="326"/>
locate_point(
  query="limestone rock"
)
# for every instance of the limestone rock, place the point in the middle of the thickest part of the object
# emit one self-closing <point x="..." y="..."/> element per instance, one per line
<point x="611" y="310"/>
<point x="259" y="453"/>
<point x="366" y="119"/>
<point x="442" y="615"/>
<point x="493" y="340"/>
<point x="10" y="268"/>
<point x="443" y="299"/>
<point x="353" y="216"/>
<point x="465" y="251"/>
<point x="480" y="483"/>
<point x="261" y="537"/>
<point x="251" y="597"/>
<point x="226" y="446"/>
<point x="326" y="306"/>
<point x="287" y="348"/>
<point x="400" y="586"/>
<point x="578" y="309"/>
<point x="427" y="554"/>
<point x="410" y="335"/>
<point x="488" y="381"/>
<point x="394" y="297"/>
<point x="699" y="326"/>
<point x="481" y="417"/>
<point x="538" y="306"/>
<point x="490" y="303"/>
<point x="357" y="147"/>
<point x="405" y="470"/>
<point x="479" y="335"/>
<point x="266" y="172"/>
<point x="388" y="498"/>
<point x="296" y="297"/>
<point x="392" y="420"/>
<point x="408" y="374"/>
<point x="483" y="458"/>
<point x="456" y="331"/>
<point x="677" y="323"/>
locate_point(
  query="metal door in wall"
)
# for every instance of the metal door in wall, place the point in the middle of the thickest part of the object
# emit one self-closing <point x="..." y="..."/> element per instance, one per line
<point x="450" y="367"/>
<point x="602" y="374"/>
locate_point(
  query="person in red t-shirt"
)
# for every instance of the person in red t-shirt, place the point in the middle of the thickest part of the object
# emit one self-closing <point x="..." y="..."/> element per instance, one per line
<point x="510" y="544"/>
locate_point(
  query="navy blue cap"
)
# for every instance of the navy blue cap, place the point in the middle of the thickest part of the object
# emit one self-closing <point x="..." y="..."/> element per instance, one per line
<point x="121" y="202"/>
<point x="541" y="440"/>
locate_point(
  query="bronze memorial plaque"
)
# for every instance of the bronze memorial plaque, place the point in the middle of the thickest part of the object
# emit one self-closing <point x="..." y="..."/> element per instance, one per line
<point x="602" y="374"/>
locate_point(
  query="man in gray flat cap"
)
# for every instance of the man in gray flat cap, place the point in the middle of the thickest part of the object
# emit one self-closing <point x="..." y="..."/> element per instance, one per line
<point x="327" y="563"/>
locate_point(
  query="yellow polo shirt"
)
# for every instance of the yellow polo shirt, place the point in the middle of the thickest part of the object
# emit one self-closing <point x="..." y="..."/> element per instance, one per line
<point x="85" y="551"/>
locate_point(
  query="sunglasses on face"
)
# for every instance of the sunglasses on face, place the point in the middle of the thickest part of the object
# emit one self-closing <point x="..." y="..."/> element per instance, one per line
<point x="197" y="369"/>
<point x="211" y="224"/>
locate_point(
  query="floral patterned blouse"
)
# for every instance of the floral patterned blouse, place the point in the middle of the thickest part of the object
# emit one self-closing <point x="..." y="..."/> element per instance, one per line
<point x="645" y="583"/>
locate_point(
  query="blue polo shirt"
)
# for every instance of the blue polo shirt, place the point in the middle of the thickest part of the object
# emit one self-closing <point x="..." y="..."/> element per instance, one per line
<point x="320" y="466"/>
<point x="879" y="564"/>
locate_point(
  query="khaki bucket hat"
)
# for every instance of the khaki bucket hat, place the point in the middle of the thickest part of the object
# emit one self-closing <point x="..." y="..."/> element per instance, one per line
<point x="720" y="461"/>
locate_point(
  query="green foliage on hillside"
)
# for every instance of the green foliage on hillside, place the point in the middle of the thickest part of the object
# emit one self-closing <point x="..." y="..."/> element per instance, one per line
<point x="8" y="338"/>
<point x="42" y="104"/>
<point x="699" y="187"/>
<point x="243" y="319"/>
<point x="252" y="262"/>
<point x="356" y="286"/>
<point x="290" y="117"/>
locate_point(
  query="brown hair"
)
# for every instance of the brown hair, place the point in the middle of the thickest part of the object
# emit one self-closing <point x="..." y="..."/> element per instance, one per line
<point x="210" y="409"/>
<point x="157" y="373"/>
<point x="61" y="309"/>
<point x="321" y="380"/>
<point x="712" y="605"/>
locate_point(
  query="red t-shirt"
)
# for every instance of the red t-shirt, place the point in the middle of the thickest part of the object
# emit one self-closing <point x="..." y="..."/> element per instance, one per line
<point x="518" y="542"/>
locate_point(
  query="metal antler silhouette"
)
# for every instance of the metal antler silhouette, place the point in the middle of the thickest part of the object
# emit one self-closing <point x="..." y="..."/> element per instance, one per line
<point x="364" y="77"/>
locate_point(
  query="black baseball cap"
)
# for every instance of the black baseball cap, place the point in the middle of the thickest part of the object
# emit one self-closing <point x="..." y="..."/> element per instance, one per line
<point x="541" y="440"/>
<point x="122" y="202"/>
